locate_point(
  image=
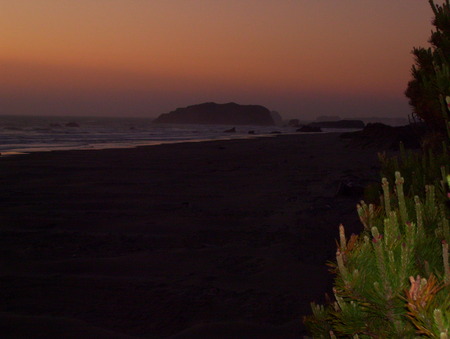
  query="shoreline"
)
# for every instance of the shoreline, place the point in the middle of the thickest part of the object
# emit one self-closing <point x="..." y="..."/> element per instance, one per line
<point x="136" y="144"/>
<point x="177" y="240"/>
<point x="124" y="145"/>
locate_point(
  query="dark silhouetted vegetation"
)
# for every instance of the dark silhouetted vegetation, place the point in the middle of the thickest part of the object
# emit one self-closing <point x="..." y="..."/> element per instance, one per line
<point x="393" y="280"/>
<point x="430" y="73"/>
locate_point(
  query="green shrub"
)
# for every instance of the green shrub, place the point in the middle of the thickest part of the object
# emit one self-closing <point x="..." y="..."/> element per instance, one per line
<point x="419" y="168"/>
<point x="393" y="280"/>
<point x="430" y="73"/>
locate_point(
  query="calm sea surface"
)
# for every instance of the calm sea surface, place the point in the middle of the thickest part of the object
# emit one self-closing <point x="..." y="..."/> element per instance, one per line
<point x="24" y="134"/>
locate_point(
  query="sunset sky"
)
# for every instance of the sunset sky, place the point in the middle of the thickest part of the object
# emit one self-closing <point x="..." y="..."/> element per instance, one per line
<point x="302" y="58"/>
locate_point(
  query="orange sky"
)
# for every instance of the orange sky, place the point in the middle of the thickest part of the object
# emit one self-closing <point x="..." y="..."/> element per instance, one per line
<point x="141" y="57"/>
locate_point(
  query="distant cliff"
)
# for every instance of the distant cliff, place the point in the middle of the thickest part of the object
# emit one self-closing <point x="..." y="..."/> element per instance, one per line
<point x="218" y="114"/>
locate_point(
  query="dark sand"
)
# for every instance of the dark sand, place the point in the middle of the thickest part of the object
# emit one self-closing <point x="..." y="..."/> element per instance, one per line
<point x="223" y="239"/>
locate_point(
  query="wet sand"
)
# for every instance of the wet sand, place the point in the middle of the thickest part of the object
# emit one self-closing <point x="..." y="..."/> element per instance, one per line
<point x="220" y="239"/>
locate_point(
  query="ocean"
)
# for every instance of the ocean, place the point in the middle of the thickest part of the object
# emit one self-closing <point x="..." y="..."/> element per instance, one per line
<point x="25" y="134"/>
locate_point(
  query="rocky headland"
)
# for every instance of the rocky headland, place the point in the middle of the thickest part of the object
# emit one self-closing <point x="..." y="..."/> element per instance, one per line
<point x="219" y="114"/>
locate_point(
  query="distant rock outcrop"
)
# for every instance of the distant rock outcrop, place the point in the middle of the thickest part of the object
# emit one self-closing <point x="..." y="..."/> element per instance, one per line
<point x="309" y="129"/>
<point x="218" y="114"/>
<point x="339" y="124"/>
<point x="294" y="123"/>
<point x="387" y="137"/>
<point x="328" y="118"/>
<point x="276" y="118"/>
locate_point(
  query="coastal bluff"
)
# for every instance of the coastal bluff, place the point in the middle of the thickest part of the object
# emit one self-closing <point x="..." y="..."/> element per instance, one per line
<point x="211" y="113"/>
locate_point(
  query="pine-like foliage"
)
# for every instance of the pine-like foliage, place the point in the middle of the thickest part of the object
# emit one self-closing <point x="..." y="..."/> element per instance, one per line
<point x="419" y="168"/>
<point x="430" y="74"/>
<point x="393" y="280"/>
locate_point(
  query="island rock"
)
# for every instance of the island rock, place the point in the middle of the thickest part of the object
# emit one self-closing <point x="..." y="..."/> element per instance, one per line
<point x="328" y="118"/>
<point x="218" y="114"/>
<point x="277" y="119"/>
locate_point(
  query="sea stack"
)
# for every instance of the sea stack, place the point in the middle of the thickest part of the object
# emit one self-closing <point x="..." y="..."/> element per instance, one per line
<point x="211" y="113"/>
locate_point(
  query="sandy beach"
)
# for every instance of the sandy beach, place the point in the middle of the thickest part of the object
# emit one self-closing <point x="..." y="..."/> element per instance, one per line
<point x="220" y="239"/>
